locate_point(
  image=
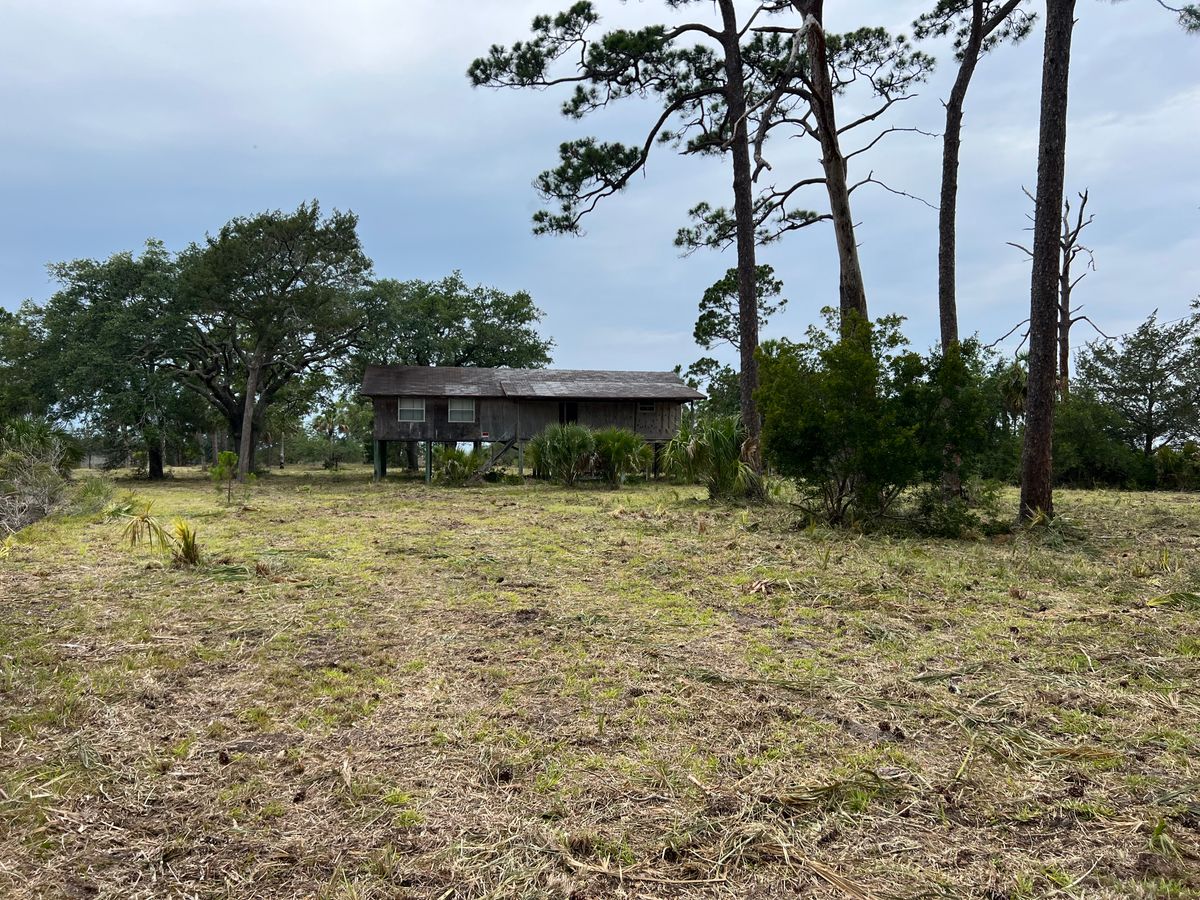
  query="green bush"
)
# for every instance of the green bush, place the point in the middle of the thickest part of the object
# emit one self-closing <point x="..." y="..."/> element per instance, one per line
<point x="710" y="452"/>
<point x="92" y="494"/>
<point x="841" y="416"/>
<point x="860" y="419"/>
<point x="455" y="466"/>
<point x="1178" y="468"/>
<point x="562" y="453"/>
<point x="1091" y="449"/>
<point x="621" y="453"/>
<point x="34" y="462"/>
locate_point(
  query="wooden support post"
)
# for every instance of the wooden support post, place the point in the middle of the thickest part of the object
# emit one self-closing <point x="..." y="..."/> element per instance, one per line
<point x="521" y="457"/>
<point x="429" y="462"/>
<point x="378" y="448"/>
<point x="383" y="453"/>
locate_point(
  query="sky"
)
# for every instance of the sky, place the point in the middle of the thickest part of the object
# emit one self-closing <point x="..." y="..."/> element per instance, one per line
<point x="124" y="120"/>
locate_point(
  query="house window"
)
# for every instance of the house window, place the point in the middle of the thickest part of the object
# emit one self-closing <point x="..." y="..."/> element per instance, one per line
<point x="645" y="406"/>
<point x="412" y="409"/>
<point x="461" y="410"/>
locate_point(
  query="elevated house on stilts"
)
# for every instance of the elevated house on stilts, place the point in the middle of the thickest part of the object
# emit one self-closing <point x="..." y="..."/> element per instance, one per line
<point x="507" y="407"/>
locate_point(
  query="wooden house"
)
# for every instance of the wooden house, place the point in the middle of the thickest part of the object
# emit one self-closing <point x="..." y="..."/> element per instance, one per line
<point x="506" y="407"/>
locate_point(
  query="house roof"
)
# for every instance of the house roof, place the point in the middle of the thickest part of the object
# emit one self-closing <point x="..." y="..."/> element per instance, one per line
<point x="544" y="384"/>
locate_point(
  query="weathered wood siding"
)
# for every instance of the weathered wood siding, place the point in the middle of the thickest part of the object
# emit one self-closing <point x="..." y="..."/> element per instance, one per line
<point x="497" y="419"/>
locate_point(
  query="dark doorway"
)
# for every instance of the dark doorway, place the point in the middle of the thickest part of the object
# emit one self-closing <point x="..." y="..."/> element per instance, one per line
<point x="568" y="412"/>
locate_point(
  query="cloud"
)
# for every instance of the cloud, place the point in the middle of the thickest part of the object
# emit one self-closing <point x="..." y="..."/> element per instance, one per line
<point x="137" y="117"/>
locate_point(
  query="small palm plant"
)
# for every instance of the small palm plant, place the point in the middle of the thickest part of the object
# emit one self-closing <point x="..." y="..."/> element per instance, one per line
<point x="711" y="452"/>
<point x="185" y="549"/>
<point x="621" y="453"/>
<point x="143" y="528"/>
<point x="566" y="452"/>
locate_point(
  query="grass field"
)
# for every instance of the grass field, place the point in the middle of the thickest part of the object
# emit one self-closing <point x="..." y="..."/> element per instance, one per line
<point x="402" y="691"/>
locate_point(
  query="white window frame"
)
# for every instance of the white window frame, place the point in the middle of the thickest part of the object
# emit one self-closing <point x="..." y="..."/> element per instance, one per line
<point x="412" y="404"/>
<point x="450" y="411"/>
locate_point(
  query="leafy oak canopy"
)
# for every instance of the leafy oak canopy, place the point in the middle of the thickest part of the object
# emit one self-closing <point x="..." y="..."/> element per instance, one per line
<point x="93" y="332"/>
<point x="280" y="292"/>
<point x="449" y="323"/>
<point x="20" y="393"/>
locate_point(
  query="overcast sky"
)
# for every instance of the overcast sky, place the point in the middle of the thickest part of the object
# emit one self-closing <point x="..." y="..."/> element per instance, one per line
<point x="128" y="119"/>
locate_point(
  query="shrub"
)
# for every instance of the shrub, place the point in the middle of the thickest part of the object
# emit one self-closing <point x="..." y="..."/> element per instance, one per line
<point x="710" y="452"/>
<point x="563" y="453"/>
<point x="224" y="473"/>
<point x="1178" y="468"/>
<point x="621" y="453"/>
<point x="455" y="466"/>
<point x="34" y="461"/>
<point x="1090" y="448"/>
<point x="91" y="495"/>
<point x="679" y="453"/>
<point x="840" y="416"/>
<point x="185" y="548"/>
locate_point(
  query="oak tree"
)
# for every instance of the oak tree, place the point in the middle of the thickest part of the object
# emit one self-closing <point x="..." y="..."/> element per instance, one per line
<point x="266" y="299"/>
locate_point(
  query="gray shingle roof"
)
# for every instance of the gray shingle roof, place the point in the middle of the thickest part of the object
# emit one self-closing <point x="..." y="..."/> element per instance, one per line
<point x="547" y="384"/>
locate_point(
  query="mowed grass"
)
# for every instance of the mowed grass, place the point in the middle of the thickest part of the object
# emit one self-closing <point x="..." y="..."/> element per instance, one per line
<point x="402" y="691"/>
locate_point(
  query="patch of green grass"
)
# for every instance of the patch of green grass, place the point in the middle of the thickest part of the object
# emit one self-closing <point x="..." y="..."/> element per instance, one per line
<point x="576" y="684"/>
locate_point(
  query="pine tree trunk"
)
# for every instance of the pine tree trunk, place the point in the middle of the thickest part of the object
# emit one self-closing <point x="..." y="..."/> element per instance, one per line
<point x="246" y="453"/>
<point x="1037" y="493"/>
<point x="852" y="292"/>
<point x="948" y="208"/>
<point x="743" y="209"/>
<point x="948" y="234"/>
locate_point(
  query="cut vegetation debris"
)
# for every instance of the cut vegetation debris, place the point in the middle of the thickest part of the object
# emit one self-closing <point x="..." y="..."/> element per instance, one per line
<point x="524" y="691"/>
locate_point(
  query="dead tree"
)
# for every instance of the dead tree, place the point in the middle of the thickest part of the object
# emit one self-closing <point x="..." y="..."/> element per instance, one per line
<point x="1072" y="249"/>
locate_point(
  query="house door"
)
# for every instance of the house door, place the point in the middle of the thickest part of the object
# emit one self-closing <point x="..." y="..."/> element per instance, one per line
<point x="568" y="412"/>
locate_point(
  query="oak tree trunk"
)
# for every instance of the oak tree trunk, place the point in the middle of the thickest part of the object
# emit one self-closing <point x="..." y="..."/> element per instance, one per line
<point x="743" y="209"/>
<point x="246" y="452"/>
<point x="1037" y="493"/>
<point x="154" y="459"/>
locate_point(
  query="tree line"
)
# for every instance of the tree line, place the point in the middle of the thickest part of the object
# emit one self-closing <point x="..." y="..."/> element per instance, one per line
<point x="734" y="86"/>
<point x="253" y="330"/>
